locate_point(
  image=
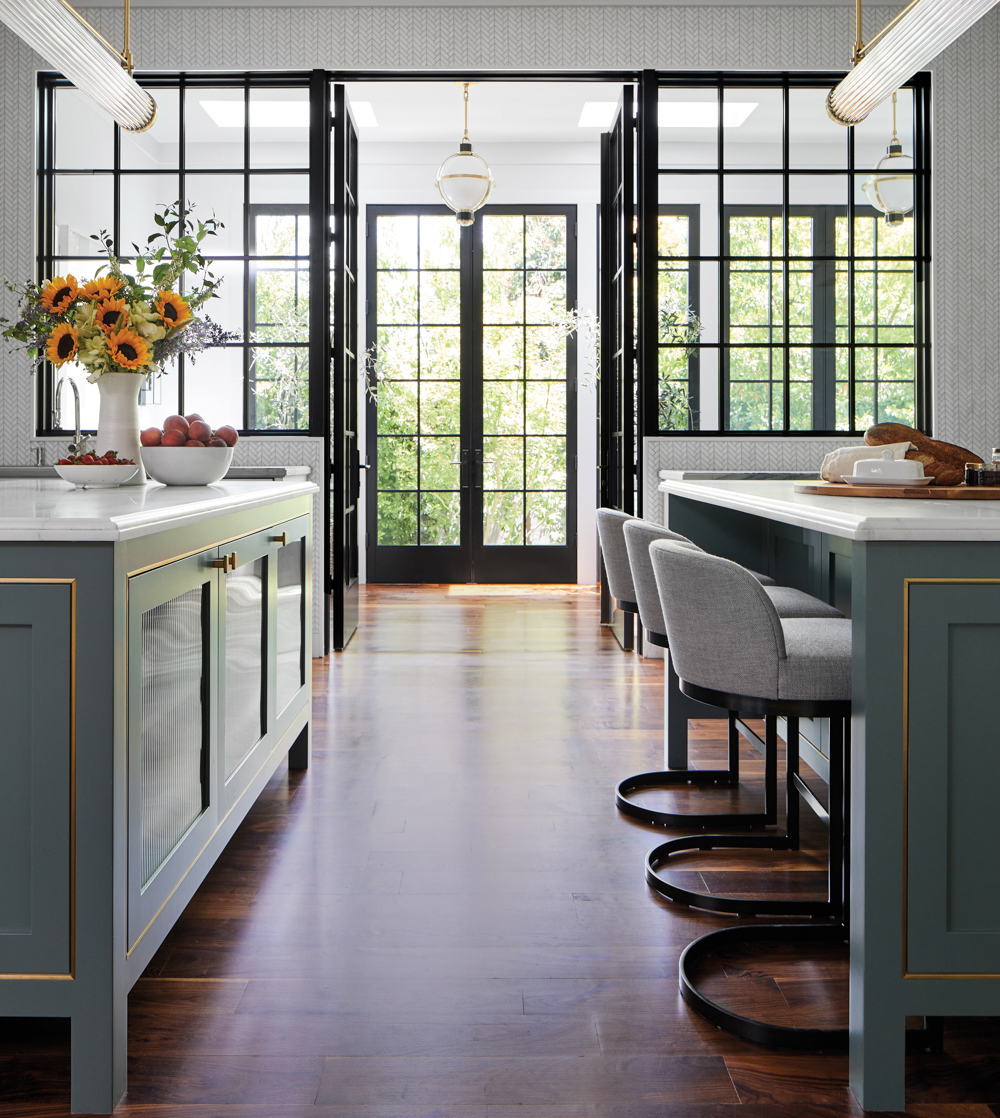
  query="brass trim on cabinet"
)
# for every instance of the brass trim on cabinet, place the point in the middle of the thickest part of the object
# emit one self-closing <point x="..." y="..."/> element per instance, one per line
<point x="71" y="975"/>
<point x="906" y="768"/>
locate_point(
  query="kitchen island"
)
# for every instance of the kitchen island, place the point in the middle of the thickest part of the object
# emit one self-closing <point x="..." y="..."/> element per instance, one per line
<point x="156" y="651"/>
<point x="921" y="581"/>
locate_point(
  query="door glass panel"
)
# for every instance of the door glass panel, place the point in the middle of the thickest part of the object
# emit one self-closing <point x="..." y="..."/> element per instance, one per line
<point x="245" y="629"/>
<point x="173" y="725"/>
<point x="524" y="379"/>
<point x="418" y="348"/>
<point x="291" y="622"/>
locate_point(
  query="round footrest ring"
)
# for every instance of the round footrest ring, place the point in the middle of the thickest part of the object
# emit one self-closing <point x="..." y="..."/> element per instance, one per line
<point x="713" y="902"/>
<point x="676" y="778"/>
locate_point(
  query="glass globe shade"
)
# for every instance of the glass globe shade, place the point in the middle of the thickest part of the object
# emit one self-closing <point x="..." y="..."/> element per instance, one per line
<point x="891" y="188"/>
<point x="464" y="182"/>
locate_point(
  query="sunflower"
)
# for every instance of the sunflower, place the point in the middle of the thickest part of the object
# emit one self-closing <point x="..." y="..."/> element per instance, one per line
<point x="58" y="296"/>
<point x="128" y="349"/>
<point x="63" y="344"/>
<point x="100" y="289"/>
<point x="172" y="309"/>
<point x="111" y="315"/>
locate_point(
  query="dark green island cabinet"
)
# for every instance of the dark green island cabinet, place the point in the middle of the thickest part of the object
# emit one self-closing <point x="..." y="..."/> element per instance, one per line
<point x="156" y="647"/>
<point x="920" y="580"/>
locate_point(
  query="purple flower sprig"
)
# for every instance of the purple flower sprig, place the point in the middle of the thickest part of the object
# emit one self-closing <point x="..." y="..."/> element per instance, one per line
<point x="196" y="337"/>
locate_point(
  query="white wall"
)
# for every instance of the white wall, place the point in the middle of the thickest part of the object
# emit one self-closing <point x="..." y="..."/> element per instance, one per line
<point x="526" y="174"/>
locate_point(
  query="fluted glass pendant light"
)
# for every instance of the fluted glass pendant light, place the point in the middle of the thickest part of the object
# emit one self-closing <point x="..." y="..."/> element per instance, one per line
<point x="68" y="42"/>
<point x="919" y="33"/>
<point x="890" y="189"/>
<point x="464" y="180"/>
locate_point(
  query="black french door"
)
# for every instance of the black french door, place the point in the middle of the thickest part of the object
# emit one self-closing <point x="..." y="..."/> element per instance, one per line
<point x="471" y="395"/>
<point x="616" y="400"/>
<point x="342" y="457"/>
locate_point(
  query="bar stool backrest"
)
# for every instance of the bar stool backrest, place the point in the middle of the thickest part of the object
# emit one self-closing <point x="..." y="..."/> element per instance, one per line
<point x="610" y="523"/>
<point x="639" y="534"/>
<point x="723" y="629"/>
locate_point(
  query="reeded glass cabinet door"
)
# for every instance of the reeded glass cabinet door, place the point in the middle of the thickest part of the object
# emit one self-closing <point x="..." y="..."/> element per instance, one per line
<point x="172" y="671"/>
<point x="292" y="563"/>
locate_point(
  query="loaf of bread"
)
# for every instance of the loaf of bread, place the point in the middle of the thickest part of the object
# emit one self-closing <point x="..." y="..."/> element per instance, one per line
<point x="945" y="462"/>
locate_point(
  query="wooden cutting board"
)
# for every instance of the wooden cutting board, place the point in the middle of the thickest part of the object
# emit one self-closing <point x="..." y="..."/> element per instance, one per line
<point x="938" y="492"/>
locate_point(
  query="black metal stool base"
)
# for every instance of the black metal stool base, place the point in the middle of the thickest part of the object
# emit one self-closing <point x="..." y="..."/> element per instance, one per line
<point x="928" y="1039"/>
<point x="707" y="778"/>
<point x="715" y="902"/>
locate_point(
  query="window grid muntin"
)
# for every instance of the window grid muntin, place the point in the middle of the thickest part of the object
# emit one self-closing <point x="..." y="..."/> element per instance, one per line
<point x="920" y="259"/>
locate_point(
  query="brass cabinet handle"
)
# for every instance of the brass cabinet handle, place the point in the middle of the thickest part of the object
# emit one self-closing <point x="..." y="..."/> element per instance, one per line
<point x="221" y="564"/>
<point x="282" y="539"/>
<point x="233" y="562"/>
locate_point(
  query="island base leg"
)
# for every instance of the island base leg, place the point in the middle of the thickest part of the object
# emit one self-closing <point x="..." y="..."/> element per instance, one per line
<point x="300" y="751"/>
<point x="98" y="1065"/>
<point x="878" y="1061"/>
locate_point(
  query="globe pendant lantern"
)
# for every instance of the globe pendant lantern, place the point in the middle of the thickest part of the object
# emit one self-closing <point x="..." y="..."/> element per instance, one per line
<point x="464" y="180"/>
<point x="891" y="187"/>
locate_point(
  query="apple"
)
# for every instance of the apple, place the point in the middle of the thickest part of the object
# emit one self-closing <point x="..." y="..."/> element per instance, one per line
<point x="152" y="436"/>
<point x="176" y="423"/>
<point x="200" y="430"/>
<point x="173" y="437"/>
<point x="227" y="434"/>
<point x="216" y="442"/>
<point x="194" y="442"/>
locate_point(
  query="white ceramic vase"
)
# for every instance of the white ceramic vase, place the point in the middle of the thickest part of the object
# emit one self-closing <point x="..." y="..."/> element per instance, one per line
<point x="118" y="422"/>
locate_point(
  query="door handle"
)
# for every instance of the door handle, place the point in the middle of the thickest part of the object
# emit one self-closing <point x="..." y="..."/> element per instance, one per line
<point x="463" y="465"/>
<point x="478" y="482"/>
<point x="366" y="465"/>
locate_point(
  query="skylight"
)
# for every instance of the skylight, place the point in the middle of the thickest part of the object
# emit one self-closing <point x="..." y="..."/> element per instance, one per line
<point x="263" y="114"/>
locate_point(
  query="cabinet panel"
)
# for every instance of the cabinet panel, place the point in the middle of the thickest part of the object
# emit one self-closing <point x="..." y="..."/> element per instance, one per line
<point x="174" y="724"/>
<point x="246" y="679"/>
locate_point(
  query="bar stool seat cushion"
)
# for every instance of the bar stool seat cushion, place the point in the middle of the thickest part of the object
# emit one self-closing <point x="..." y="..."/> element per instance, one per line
<point x="609" y="529"/>
<point x="817" y="664"/>
<point x="790" y="602"/>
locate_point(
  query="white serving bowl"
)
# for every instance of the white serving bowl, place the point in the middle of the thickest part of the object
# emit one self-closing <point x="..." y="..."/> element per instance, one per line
<point x="187" y="465"/>
<point x="96" y="477"/>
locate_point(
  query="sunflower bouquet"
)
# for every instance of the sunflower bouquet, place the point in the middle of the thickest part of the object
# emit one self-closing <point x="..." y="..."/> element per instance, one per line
<point x="126" y="322"/>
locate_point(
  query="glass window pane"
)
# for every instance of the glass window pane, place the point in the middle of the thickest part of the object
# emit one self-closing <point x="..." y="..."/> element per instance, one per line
<point x="440" y="352"/>
<point x="284" y="189"/>
<point x="814" y="140"/>
<point x="545" y="353"/>
<point x="279" y="127"/>
<point x="397" y="407"/>
<point x="226" y="308"/>
<point x="85" y="133"/>
<point x="440" y="408"/>
<point x="698" y="194"/>
<point x="158" y="148"/>
<point x="674" y="234"/>
<point x="872" y="135"/>
<point x="503" y="352"/>
<point x="279" y="388"/>
<point x="546" y="408"/>
<point x="503" y="297"/>
<point x="503" y="463"/>
<point x="752" y="127"/>
<point x="280" y="234"/>
<point x="397" y="518"/>
<point x="546" y="460"/>
<point x="214" y="127"/>
<point x="84" y="205"/>
<point x="503" y="409"/>
<point x="213" y="386"/>
<point x="397" y="353"/>
<point x="545" y="519"/>
<point x="440" y="297"/>
<point x="141" y="196"/>
<point x="281" y="304"/>
<point x="440" y="519"/>
<point x="397" y="297"/>
<point x="503" y="519"/>
<point x="397" y="241"/>
<point x="157" y="399"/>
<point x="689" y="127"/>
<point x="545" y="296"/>
<point x="439" y="242"/>
<point x="439" y="463"/>
<point x="503" y="241"/>
<point x="397" y="462"/>
<point x="545" y="241"/>
<point x="221" y="197"/>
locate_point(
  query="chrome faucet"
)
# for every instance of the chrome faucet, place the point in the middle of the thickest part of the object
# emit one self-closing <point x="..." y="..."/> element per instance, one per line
<point x="77" y="446"/>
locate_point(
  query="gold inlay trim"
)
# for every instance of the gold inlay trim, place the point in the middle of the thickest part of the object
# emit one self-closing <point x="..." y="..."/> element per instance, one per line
<point x="71" y="975"/>
<point x="907" y="582"/>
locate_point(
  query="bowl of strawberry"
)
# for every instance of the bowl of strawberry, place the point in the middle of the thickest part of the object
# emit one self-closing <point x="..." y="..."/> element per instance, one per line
<point x="96" y="471"/>
<point x="187" y="451"/>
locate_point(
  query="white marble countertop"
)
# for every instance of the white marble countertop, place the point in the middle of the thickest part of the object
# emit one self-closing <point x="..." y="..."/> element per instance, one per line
<point x="851" y="518"/>
<point x="41" y="510"/>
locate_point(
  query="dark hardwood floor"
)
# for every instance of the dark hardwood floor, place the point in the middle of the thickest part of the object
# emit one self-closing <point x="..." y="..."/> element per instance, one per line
<point x="445" y="917"/>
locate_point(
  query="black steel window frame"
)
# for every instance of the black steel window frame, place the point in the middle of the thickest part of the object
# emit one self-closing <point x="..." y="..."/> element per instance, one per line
<point x="47" y="172"/>
<point x="688" y="264"/>
<point x="649" y="205"/>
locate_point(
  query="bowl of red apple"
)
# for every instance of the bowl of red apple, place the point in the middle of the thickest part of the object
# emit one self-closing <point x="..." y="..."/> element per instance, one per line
<point x="187" y="451"/>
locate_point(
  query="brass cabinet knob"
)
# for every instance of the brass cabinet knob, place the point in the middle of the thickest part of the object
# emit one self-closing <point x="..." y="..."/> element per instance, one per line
<point x="282" y="539"/>
<point x="221" y="564"/>
<point x="233" y="562"/>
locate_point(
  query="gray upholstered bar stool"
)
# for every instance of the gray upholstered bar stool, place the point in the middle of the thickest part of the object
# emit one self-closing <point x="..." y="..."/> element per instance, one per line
<point x="732" y="650"/>
<point x="610" y="523"/>
<point x="788" y="602"/>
